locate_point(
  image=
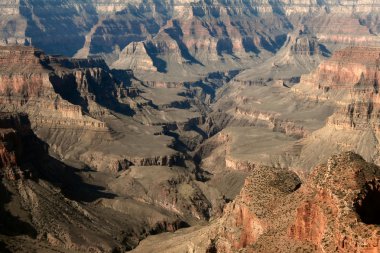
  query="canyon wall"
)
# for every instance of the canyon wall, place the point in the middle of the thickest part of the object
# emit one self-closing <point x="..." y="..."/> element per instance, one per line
<point x="349" y="81"/>
<point x="275" y="212"/>
<point x="186" y="37"/>
<point x="332" y="210"/>
<point x="26" y="80"/>
<point x="80" y="112"/>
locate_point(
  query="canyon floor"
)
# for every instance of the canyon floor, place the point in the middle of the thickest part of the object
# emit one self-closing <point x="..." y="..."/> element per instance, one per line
<point x="189" y="126"/>
<point x="110" y="160"/>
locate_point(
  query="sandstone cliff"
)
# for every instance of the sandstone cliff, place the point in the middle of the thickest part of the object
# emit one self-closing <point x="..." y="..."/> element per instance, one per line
<point x="70" y="99"/>
<point x="183" y="37"/>
<point x="324" y="214"/>
<point x="27" y="82"/>
<point x="348" y="80"/>
<point x="333" y="210"/>
<point x="46" y="201"/>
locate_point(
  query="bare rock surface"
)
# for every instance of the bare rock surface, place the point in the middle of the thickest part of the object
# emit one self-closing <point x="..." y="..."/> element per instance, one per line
<point x="348" y="79"/>
<point x="170" y="110"/>
<point x="100" y="143"/>
<point x="275" y="211"/>
<point x="168" y="39"/>
<point x="319" y="215"/>
<point x="48" y="201"/>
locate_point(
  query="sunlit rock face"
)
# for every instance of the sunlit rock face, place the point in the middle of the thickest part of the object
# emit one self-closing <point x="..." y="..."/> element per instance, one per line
<point x="186" y="37"/>
<point x="27" y="82"/>
<point x="68" y="107"/>
<point x="350" y="78"/>
<point x="161" y="111"/>
<point x="55" y="26"/>
<point x="328" y="212"/>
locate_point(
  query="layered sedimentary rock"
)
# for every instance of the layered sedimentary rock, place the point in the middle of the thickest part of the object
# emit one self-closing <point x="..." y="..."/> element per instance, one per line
<point x="348" y="69"/>
<point x="199" y="35"/>
<point x="140" y="58"/>
<point x="348" y="80"/>
<point x="69" y="219"/>
<point x="118" y="134"/>
<point x="27" y="82"/>
<point x="323" y="214"/>
<point x="330" y="211"/>
<point x="186" y="37"/>
<point x="257" y="106"/>
<point x="66" y="96"/>
<point x="341" y="94"/>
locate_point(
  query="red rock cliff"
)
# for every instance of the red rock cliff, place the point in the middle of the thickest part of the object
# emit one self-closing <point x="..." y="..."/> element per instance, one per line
<point x="333" y="211"/>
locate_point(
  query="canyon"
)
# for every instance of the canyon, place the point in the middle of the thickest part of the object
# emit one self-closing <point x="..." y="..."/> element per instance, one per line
<point x="276" y="211"/>
<point x="189" y="126"/>
<point x="183" y="40"/>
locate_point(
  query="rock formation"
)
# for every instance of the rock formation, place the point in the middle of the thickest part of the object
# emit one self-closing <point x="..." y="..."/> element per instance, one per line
<point x="275" y="211"/>
<point x="115" y="135"/>
<point x="27" y="79"/>
<point x="188" y="37"/>
<point x="74" y="215"/>
<point x="169" y="108"/>
<point x="330" y="211"/>
<point x="52" y="210"/>
<point x="348" y="81"/>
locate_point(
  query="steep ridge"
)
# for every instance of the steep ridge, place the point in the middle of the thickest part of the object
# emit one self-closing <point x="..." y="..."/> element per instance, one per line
<point x="349" y="79"/>
<point x="45" y="200"/>
<point x="183" y="38"/>
<point x="276" y="212"/>
<point x="26" y="81"/>
<point x="258" y="120"/>
<point x="119" y="137"/>
<point x="319" y="216"/>
<point x="300" y="54"/>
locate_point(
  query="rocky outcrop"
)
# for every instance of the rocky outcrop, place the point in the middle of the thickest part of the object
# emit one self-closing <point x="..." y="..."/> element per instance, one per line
<point x="116" y="163"/>
<point x="243" y="221"/>
<point x="339" y="198"/>
<point x="324" y="214"/>
<point x="190" y="38"/>
<point x="349" y="80"/>
<point x="135" y="56"/>
<point x="304" y="45"/>
<point x="347" y="67"/>
<point x="29" y="79"/>
<point x="13" y="127"/>
<point x="273" y="121"/>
